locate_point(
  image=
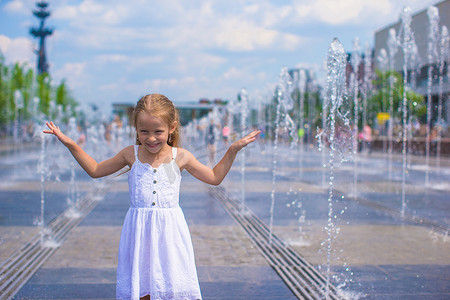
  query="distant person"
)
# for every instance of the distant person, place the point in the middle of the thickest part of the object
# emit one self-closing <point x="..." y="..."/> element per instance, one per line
<point x="107" y="127"/>
<point x="82" y="136"/>
<point x="367" y="138"/>
<point x="117" y="131"/>
<point x="156" y="257"/>
<point x="434" y="138"/>
<point x="117" y="121"/>
<point x="226" y="135"/>
<point x="211" y="141"/>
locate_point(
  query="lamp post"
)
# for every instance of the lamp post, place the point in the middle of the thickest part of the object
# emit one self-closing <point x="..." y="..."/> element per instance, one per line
<point x="41" y="32"/>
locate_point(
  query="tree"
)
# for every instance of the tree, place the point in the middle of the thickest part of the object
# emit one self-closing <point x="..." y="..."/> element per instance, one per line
<point x="21" y="78"/>
<point x="27" y="92"/>
<point x="44" y="92"/>
<point x="379" y="101"/>
<point x="63" y="97"/>
<point x="4" y="91"/>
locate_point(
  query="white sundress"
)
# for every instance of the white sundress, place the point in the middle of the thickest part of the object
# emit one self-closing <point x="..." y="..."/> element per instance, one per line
<point x="156" y="256"/>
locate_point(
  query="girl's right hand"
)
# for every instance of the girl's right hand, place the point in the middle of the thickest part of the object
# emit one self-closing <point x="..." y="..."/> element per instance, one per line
<point x="57" y="132"/>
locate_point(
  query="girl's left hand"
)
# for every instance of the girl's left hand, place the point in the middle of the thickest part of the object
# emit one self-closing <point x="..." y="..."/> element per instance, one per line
<point x="251" y="137"/>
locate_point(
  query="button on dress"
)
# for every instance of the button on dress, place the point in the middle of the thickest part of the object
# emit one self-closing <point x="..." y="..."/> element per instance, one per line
<point x="156" y="256"/>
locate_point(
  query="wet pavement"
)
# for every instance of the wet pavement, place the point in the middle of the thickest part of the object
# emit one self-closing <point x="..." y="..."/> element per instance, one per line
<point x="376" y="252"/>
<point x="229" y="266"/>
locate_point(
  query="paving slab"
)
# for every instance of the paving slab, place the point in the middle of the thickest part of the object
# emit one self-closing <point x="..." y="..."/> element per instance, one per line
<point x="229" y="265"/>
<point x="376" y="254"/>
<point x="372" y="243"/>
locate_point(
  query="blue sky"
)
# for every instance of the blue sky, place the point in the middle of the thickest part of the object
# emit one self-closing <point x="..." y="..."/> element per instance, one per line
<point x="117" y="51"/>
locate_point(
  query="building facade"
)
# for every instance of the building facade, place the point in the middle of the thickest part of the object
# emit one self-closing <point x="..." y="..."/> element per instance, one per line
<point x="420" y="28"/>
<point x="187" y="111"/>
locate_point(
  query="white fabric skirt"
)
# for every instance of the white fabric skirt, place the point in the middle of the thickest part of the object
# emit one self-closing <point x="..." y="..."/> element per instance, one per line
<point x="156" y="256"/>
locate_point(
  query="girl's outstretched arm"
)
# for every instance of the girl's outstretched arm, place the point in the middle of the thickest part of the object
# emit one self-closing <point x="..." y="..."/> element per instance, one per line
<point x="217" y="174"/>
<point x="91" y="167"/>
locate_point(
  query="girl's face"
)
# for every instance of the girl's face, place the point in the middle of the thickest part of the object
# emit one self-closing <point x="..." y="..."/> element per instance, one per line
<point x="152" y="132"/>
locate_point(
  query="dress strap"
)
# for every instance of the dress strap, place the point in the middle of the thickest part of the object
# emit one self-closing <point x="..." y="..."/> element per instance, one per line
<point x="136" y="150"/>
<point x="174" y="152"/>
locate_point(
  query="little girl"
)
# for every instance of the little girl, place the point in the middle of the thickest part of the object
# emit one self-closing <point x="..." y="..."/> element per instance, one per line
<point x="156" y="257"/>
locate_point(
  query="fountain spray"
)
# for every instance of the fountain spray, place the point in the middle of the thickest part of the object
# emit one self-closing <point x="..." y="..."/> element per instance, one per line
<point x="367" y="84"/>
<point x="244" y="113"/>
<point x="432" y="54"/>
<point x="444" y="44"/>
<point x="284" y="104"/>
<point x="407" y="46"/>
<point x="301" y="88"/>
<point x="355" y="61"/>
<point x="383" y="62"/>
<point x="392" y="44"/>
<point x="321" y="137"/>
<point x="414" y="67"/>
<point x="336" y="64"/>
<point x="73" y="191"/>
<point x="42" y="170"/>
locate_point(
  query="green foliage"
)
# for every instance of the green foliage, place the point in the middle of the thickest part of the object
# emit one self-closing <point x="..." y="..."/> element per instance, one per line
<point x="63" y="96"/>
<point x="27" y="92"/>
<point x="312" y="110"/>
<point x="44" y="92"/>
<point x="22" y="78"/>
<point x="4" y="91"/>
<point x="379" y="101"/>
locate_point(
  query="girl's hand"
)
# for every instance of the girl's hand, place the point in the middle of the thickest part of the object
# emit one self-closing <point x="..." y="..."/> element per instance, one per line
<point x="251" y="137"/>
<point x="57" y="132"/>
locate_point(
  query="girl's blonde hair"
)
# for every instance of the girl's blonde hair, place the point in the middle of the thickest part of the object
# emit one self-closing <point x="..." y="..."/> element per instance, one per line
<point x="159" y="106"/>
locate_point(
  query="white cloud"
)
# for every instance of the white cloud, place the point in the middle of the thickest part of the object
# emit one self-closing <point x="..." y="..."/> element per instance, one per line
<point x="16" y="6"/>
<point x="4" y="43"/>
<point x="343" y="11"/>
<point x="89" y="13"/>
<point x="123" y="85"/>
<point x="91" y="7"/>
<point x="266" y="14"/>
<point x="179" y="25"/>
<point x="233" y="73"/>
<point x="196" y="63"/>
<point x="244" y="77"/>
<point x="74" y="73"/>
<point x="347" y="12"/>
<point x="65" y="12"/>
<point x="238" y="35"/>
<point x="146" y="60"/>
<point x="113" y="58"/>
<point x="128" y="62"/>
<point x="17" y="50"/>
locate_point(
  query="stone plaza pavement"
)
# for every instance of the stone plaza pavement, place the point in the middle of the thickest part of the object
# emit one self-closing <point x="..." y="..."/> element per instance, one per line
<point x="229" y="265"/>
<point x="378" y="254"/>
